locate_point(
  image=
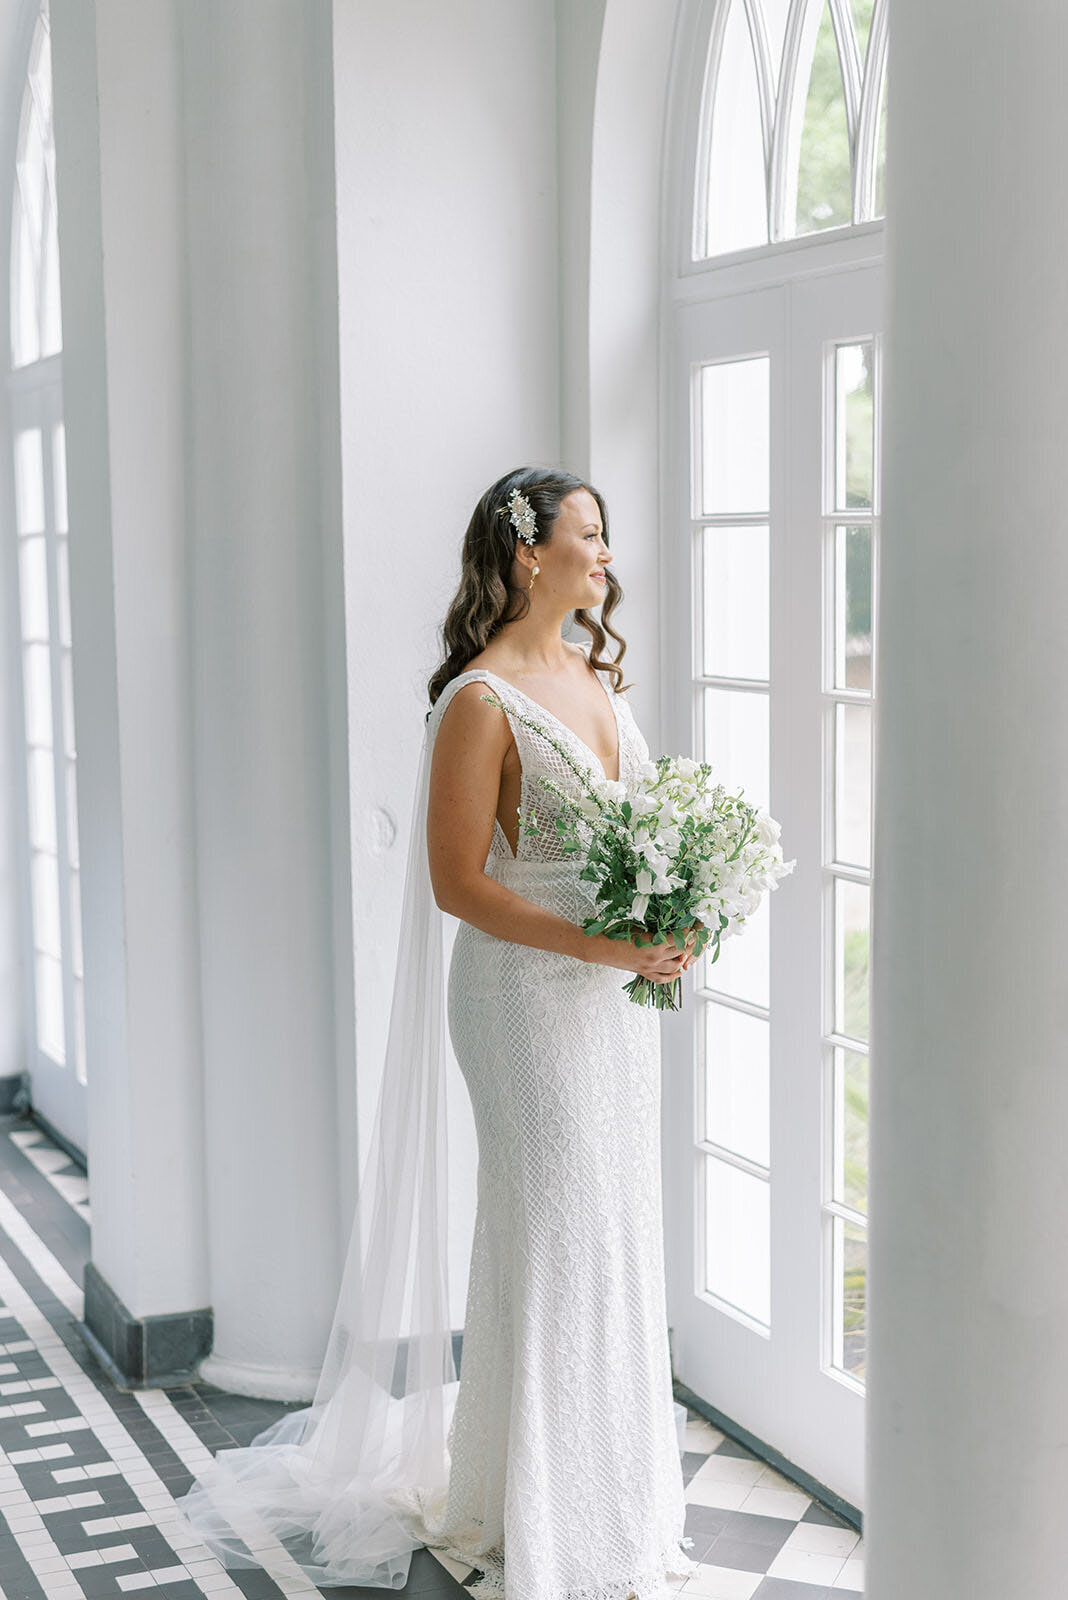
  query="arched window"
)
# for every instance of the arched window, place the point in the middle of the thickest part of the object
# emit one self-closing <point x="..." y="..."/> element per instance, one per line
<point x="773" y="350"/>
<point x="793" y="122"/>
<point x="56" y="1001"/>
<point x="35" y="310"/>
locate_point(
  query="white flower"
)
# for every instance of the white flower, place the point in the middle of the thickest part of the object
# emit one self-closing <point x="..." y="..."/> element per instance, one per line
<point x="644" y="881"/>
<point x="611" y="790"/>
<point x="767" y="829"/>
<point x="685" y="767"/>
<point x="587" y="806"/>
<point x="648" y="771"/>
<point x="639" y="906"/>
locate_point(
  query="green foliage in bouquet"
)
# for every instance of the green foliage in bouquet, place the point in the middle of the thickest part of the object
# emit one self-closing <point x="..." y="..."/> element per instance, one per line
<point x="671" y="855"/>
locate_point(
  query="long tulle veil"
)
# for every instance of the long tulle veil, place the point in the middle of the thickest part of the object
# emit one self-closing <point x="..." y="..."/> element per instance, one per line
<point x="342" y="1491"/>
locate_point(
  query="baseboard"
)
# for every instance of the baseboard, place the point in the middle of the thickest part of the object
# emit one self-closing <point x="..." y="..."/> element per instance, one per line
<point x="789" y="1469"/>
<point x="76" y="1153"/>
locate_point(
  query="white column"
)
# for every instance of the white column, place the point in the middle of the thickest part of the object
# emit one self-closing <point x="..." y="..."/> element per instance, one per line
<point x="198" y="257"/>
<point x="269" y="675"/>
<point x="968" y="1376"/>
<point x="118" y="174"/>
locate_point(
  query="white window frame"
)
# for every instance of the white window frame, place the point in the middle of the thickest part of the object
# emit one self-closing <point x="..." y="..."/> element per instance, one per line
<point x="33" y="399"/>
<point x="691" y="282"/>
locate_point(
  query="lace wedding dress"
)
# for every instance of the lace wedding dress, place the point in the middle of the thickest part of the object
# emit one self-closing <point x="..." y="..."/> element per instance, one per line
<point x="564" y="1446"/>
<point x="553" y="1467"/>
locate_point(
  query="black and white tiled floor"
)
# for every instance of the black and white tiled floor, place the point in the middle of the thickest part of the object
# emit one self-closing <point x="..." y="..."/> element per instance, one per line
<point x="89" y="1474"/>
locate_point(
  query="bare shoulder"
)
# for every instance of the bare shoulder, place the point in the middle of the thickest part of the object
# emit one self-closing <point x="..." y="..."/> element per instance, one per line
<point x="470" y="721"/>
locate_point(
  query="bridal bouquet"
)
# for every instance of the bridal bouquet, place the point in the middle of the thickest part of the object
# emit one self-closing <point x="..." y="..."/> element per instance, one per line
<point x="671" y="853"/>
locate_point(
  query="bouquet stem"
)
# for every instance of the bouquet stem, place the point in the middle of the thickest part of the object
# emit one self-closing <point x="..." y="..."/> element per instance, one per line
<point x="664" y="996"/>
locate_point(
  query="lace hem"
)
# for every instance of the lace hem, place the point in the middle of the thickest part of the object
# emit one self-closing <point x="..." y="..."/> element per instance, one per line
<point x="648" y="1584"/>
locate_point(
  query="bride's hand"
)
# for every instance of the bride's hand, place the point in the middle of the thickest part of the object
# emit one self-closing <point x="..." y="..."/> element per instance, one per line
<point x="661" y="963"/>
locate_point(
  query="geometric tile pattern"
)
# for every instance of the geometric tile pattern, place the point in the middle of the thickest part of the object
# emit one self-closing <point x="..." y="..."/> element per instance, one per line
<point x="89" y="1474"/>
<point x="68" y="1180"/>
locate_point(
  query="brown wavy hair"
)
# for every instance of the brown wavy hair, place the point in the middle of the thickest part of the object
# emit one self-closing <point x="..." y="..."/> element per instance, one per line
<point x="487" y="598"/>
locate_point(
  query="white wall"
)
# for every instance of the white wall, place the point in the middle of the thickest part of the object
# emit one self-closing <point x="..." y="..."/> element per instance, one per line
<point x="447" y="250"/>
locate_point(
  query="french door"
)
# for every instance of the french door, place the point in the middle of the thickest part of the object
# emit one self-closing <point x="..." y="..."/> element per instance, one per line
<point x="55" y="1000"/>
<point x="769" y="585"/>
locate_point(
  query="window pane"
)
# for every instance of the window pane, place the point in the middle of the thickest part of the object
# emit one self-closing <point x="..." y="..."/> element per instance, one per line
<point x="33" y="588"/>
<point x="76" y="924"/>
<point x="41" y="779"/>
<point x="851" y="1123"/>
<point x="851" y="1273"/>
<point x="51" y="1035"/>
<point x="736" y="741"/>
<point x="63" y="574"/>
<point x="59" y="475"/>
<point x="29" y="481"/>
<point x="824" y="180"/>
<point x="25" y="339"/>
<point x="35" y="314"/>
<point x="852" y="788"/>
<point x="736" y="197"/>
<point x="736" y="602"/>
<point x="852" y="608"/>
<point x="66" y="678"/>
<point x="44" y="877"/>
<point x="852" y="905"/>
<point x="743" y="967"/>
<point x="735" y="421"/>
<point x="37" y="689"/>
<point x="854" y="425"/>
<point x="736" y="1081"/>
<point x="737" y="1238"/>
<point x="72" y="813"/>
<point x="80" y="1058"/>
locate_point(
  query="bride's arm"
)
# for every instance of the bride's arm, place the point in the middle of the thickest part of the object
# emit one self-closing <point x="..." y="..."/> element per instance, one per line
<point x="465" y="779"/>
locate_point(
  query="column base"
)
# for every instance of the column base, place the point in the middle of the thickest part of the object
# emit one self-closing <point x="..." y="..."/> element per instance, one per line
<point x="142" y="1352"/>
<point x="15" y="1094"/>
<point x="259" y="1383"/>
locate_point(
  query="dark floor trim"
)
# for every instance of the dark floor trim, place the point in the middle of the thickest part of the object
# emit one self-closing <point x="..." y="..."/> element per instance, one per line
<point x="15" y="1094"/>
<point x="61" y="1227"/>
<point x="142" y="1352"/>
<point x="789" y="1469"/>
<point x="76" y="1153"/>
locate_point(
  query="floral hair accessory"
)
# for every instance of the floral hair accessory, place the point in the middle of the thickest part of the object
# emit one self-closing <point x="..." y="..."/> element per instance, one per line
<point x="522" y="517"/>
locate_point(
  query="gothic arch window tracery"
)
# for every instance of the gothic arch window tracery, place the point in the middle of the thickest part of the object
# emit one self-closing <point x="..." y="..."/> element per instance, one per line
<point x="793" y="122"/>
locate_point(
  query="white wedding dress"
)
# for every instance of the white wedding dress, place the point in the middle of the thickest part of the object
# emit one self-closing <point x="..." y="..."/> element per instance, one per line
<point x="554" y="1467"/>
<point x="564" y="1446"/>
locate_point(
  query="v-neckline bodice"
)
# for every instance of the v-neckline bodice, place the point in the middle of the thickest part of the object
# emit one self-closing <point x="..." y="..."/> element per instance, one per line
<point x="599" y="764"/>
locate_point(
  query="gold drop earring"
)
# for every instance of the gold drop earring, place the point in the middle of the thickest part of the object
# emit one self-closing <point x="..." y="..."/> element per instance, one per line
<point x="533" y="575"/>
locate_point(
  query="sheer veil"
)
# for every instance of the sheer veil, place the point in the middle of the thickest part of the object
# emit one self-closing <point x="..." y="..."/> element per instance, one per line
<point x="342" y="1491"/>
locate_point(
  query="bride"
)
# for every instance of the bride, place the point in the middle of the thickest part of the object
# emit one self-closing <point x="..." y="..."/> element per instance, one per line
<point x="553" y="1465"/>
